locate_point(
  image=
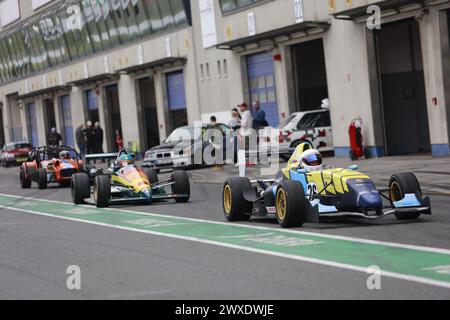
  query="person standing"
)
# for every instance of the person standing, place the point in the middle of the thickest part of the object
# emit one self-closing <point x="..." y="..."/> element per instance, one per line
<point x="54" y="138"/>
<point x="119" y="140"/>
<point x="259" y="120"/>
<point x="90" y="138"/>
<point x="246" y="129"/>
<point x="98" y="138"/>
<point x="235" y="121"/>
<point x="80" y="135"/>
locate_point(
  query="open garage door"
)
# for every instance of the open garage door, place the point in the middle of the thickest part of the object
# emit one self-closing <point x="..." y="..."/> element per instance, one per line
<point x="149" y="113"/>
<point x="112" y="116"/>
<point x="310" y="77"/>
<point x="402" y="85"/>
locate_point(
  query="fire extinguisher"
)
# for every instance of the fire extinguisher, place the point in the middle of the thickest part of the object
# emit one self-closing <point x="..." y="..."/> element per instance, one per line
<point x="356" y="139"/>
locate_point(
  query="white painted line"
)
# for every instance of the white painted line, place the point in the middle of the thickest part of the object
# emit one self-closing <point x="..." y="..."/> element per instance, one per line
<point x="297" y="232"/>
<point x="237" y="247"/>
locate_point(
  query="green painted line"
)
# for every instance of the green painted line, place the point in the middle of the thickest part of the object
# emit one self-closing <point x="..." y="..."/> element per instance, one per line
<point x="423" y="265"/>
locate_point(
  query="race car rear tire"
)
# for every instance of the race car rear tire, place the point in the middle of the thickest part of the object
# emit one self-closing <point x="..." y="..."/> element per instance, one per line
<point x="181" y="186"/>
<point x="401" y="184"/>
<point x="80" y="187"/>
<point x="151" y="175"/>
<point x="24" y="182"/>
<point x="41" y="178"/>
<point x="235" y="207"/>
<point x="290" y="203"/>
<point x="102" y="191"/>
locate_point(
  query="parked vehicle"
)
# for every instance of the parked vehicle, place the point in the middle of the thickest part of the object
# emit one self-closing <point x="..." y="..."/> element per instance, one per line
<point x="183" y="146"/>
<point x="14" y="153"/>
<point x="313" y="127"/>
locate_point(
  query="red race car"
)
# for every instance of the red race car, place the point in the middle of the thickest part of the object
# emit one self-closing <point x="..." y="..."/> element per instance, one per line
<point x="50" y="165"/>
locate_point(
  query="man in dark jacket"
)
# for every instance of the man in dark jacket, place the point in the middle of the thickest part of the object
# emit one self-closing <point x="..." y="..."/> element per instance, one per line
<point x="54" y="138"/>
<point x="80" y="135"/>
<point x="90" y="138"/>
<point x="259" y="117"/>
<point x="98" y="138"/>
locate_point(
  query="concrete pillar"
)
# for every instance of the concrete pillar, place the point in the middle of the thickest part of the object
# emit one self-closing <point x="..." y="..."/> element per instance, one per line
<point x="40" y="121"/>
<point x="103" y="121"/>
<point x="349" y="88"/>
<point x="281" y="82"/>
<point x="161" y="105"/>
<point x="191" y="92"/>
<point x="77" y="107"/>
<point x="58" y="115"/>
<point x="129" y="111"/>
<point x="431" y="34"/>
<point x="6" y="117"/>
<point x="24" y="120"/>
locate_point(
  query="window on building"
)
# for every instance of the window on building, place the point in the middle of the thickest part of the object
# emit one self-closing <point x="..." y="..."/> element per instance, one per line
<point x="230" y="5"/>
<point x="131" y="11"/>
<point x="202" y="72"/>
<point x="166" y="14"/>
<point x="207" y="71"/>
<point x="154" y="15"/>
<point x="118" y="15"/>
<point x="8" y="58"/>
<point x="91" y="25"/>
<point x="142" y="21"/>
<point x="179" y="12"/>
<point x="48" y="31"/>
<point x="78" y="28"/>
<point x="225" y="67"/>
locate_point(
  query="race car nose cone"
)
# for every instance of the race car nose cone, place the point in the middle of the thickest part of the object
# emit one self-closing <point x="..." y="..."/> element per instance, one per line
<point x="370" y="200"/>
<point x="146" y="193"/>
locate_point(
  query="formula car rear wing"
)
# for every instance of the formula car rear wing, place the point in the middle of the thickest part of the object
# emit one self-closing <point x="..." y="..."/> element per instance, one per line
<point x="108" y="157"/>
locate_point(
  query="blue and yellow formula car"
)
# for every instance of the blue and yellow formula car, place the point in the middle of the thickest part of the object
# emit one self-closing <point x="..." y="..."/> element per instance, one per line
<point x="124" y="182"/>
<point x="306" y="192"/>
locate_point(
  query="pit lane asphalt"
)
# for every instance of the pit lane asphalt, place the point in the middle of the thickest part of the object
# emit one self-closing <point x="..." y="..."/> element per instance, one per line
<point x="35" y="252"/>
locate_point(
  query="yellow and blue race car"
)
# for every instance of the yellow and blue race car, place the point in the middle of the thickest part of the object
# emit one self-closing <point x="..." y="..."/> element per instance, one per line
<point x="124" y="182"/>
<point x="305" y="191"/>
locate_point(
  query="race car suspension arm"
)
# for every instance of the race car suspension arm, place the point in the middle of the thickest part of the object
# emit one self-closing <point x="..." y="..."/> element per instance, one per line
<point x="314" y="197"/>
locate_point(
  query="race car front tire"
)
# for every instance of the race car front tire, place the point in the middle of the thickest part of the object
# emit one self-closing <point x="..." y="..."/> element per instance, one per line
<point x="401" y="184"/>
<point x="24" y="182"/>
<point x="41" y="178"/>
<point x="235" y="207"/>
<point x="181" y="186"/>
<point x="290" y="203"/>
<point x="151" y="175"/>
<point x="102" y="191"/>
<point x="80" y="187"/>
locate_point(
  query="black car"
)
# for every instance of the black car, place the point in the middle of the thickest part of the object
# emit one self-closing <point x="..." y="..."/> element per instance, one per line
<point x="187" y="146"/>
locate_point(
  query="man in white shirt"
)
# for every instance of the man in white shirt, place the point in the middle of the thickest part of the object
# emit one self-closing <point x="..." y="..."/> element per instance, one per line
<point x="246" y="130"/>
<point x="246" y="121"/>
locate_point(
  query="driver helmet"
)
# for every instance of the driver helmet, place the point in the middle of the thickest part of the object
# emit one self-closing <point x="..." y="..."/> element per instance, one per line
<point x="311" y="160"/>
<point x="126" y="159"/>
<point x="64" y="154"/>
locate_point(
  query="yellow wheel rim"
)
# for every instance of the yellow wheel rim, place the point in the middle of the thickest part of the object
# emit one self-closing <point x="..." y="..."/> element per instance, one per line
<point x="396" y="192"/>
<point x="227" y="199"/>
<point x="281" y="204"/>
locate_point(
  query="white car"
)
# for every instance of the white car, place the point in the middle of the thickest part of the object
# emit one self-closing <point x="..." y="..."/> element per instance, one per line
<point x="309" y="126"/>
